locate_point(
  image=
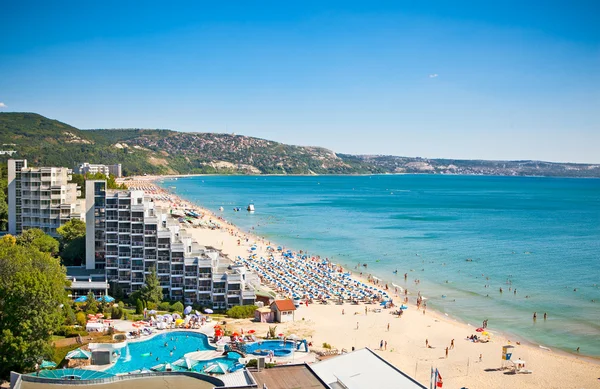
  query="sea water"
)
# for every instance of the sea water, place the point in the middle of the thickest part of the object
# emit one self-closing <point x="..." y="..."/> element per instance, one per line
<point x="463" y="237"/>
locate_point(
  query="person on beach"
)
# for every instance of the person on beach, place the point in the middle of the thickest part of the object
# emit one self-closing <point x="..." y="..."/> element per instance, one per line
<point x="446" y="352"/>
<point x="343" y="312"/>
<point x="388" y="327"/>
<point x="385" y="345"/>
<point x="426" y="343"/>
<point x="451" y="344"/>
<point x="381" y="345"/>
<point x="545" y="315"/>
<point x="534" y="316"/>
<point x="356" y="325"/>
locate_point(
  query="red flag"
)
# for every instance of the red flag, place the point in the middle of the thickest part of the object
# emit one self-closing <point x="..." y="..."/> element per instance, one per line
<point x="438" y="379"/>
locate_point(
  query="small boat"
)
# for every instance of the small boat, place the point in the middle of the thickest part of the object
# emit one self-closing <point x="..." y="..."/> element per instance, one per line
<point x="250" y="208"/>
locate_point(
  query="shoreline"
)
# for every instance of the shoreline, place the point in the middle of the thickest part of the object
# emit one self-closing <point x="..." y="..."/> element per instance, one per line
<point x="527" y="347"/>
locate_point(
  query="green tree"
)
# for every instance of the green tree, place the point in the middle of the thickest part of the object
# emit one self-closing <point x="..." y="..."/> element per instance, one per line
<point x="81" y="320"/>
<point x="70" y="318"/>
<point x="139" y="307"/>
<point x="152" y="291"/>
<point x="91" y="305"/>
<point x="176" y="307"/>
<point x="9" y="240"/>
<point x="71" y="230"/>
<point x="32" y="289"/>
<point x="37" y="238"/>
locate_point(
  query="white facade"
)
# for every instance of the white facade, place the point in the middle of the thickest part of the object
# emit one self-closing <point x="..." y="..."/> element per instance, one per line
<point x="107" y="170"/>
<point x="41" y="198"/>
<point x="127" y="236"/>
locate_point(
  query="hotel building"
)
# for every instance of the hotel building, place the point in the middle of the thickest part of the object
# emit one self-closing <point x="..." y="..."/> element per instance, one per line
<point x="41" y="198"/>
<point x="127" y="235"/>
<point x="107" y="170"/>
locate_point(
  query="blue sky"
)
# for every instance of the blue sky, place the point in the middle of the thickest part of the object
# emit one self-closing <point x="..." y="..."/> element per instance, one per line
<point x="417" y="78"/>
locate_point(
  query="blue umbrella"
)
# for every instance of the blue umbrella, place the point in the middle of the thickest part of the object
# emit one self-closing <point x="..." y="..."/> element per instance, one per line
<point x="106" y="299"/>
<point x="81" y="299"/>
<point x="187" y="310"/>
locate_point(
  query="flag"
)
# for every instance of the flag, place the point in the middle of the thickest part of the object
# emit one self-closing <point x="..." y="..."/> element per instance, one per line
<point x="438" y="379"/>
<point x="431" y="379"/>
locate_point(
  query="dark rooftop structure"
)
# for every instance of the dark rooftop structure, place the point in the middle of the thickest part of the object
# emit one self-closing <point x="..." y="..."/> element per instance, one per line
<point x="288" y="377"/>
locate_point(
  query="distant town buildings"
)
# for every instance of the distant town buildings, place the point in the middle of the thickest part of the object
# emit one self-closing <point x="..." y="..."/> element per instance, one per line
<point x="127" y="236"/>
<point x="107" y="170"/>
<point x="41" y="198"/>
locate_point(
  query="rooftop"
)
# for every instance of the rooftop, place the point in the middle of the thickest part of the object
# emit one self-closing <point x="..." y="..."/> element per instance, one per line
<point x="288" y="377"/>
<point x="284" y="305"/>
<point x="362" y="369"/>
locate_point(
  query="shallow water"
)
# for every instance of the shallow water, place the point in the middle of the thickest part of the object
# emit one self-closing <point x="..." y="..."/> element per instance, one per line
<point x="456" y="234"/>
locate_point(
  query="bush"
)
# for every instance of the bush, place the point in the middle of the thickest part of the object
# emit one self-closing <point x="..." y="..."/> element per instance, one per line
<point x="116" y="313"/>
<point x="176" y="307"/>
<point x="326" y="345"/>
<point x="81" y="319"/>
<point x="121" y="304"/>
<point x="70" y="318"/>
<point x="139" y="307"/>
<point x="242" y="311"/>
<point x="70" y="332"/>
<point x="164" y="306"/>
<point x="150" y="305"/>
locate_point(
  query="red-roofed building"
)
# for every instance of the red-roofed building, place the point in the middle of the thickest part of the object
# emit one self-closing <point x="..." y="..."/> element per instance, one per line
<point x="283" y="310"/>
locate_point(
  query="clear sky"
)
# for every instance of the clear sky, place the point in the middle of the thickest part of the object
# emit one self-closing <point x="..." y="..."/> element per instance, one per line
<point x="482" y="79"/>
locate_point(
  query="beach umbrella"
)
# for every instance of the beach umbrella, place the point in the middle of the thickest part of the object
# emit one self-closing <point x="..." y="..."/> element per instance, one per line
<point x="176" y="316"/>
<point x="216" y="368"/>
<point x="106" y="299"/>
<point x="47" y="364"/>
<point x="235" y="334"/>
<point x="187" y="310"/>
<point x="179" y="321"/>
<point x="217" y="326"/>
<point x="251" y="331"/>
<point x="480" y="329"/>
<point x="152" y="312"/>
<point x="208" y="310"/>
<point x="99" y="315"/>
<point x="81" y="299"/>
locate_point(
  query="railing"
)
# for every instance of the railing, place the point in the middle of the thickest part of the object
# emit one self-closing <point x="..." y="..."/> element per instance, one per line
<point x="150" y="232"/>
<point x="124" y="242"/>
<point x="123" y="278"/>
<point x="190" y="274"/>
<point x="137" y="243"/>
<point x="176" y="285"/>
<point x="137" y="231"/>
<point x="124" y="230"/>
<point x="137" y="280"/>
<point x="112" y="240"/>
<point x="151" y="245"/>
<point x="137" y="219"/>
<point x="177" y="272"/>
<point x="150" y="257"/>
<point x="219" y="291"/>
<point x="163" y="246"/>
<point x="112" y="253"/>
<point x="164" y="259"/>
<point x="112" y="229"/>
<point x="204" y="289"/>
<point x="124" y="219"/>
<point x="123" y="206"/>
<point x="134" y="268"/>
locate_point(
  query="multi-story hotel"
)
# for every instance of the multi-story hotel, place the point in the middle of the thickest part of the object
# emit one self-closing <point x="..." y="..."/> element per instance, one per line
<point x="127" y="235"/>
<point x="40" y="198"/>
<point x="107" y="170"/>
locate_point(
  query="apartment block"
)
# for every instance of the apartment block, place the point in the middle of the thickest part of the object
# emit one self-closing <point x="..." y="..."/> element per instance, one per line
<point x="41" y="198"/>
<point x="127" y="236"/>
<point x="107" y="170"/>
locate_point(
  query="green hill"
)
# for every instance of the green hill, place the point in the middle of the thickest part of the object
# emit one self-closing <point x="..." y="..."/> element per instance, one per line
<point x="47" y="142"/>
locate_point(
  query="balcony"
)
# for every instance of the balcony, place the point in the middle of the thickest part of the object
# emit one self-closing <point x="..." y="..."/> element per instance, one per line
<point x="137" y="231"/>
<point x="139" y="243"/>
<point x="164" y="246"/>
<point x="115" y="253"/>
<point x="190" y="274"/>
<point x="150" y="232"/>
<point x="164" y="259"/>
<point x="112" y="240"/>
<point x="124" y="219"/>
<point x="112" y="229"/>
<point x="139" y="268"/>
<point x="124" y="242"/>
<point x="137" y="219"/>
<point x="176" y="286"/>
<point x="123" y="207"/>
<point x="124" y="230"/>
<point x="137" y="280"/>
<point x="219" y="291"/>
<point x="150" y="257"/>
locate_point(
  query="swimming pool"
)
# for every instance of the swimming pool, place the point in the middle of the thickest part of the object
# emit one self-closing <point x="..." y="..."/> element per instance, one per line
<point x="278" y="347"/>
<point x="72" y="374"/>
<point x="164" y="348"/>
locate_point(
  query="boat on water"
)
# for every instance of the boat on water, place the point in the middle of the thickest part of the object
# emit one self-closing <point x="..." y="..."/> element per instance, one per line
<point x="250" y="207"/>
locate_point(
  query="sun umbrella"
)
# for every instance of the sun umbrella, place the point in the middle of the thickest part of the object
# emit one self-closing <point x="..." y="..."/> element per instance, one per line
<point x="152" y="312"/>
<point x="187" y="310"/>
<point x="47" y="364"/>
<point x="81" y="299"/>
<point x="251" y="331"/>
<point x="216" y="326"/>
<point x="176" y="316"/>
<point x="106" y="299"/>
<point x="99" y="315"/>
<point x="480" y="329"/>
<point x="179" y="321"/>
<point x="235" y="334"/>
<point x="216" y="368"/>
<point x="208" y="310"/>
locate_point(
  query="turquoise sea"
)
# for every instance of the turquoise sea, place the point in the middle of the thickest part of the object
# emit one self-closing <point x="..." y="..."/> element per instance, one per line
<point x="456" y="234"/>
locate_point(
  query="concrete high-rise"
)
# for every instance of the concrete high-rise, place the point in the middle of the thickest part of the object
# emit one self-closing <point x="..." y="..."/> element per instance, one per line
<point x="127" y="236"/>
<point x="41" y="198"/>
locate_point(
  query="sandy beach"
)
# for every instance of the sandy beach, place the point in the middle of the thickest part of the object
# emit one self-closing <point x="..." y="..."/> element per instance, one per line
<point x="467" y="364"/>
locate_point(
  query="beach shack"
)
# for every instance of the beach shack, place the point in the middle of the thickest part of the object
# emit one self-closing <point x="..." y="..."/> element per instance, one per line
<point x="283" y="310"/>
<point x="263" y="315"/>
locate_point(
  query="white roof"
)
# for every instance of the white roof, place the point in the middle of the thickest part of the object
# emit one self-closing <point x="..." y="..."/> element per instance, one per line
<point x="363" y="369"/>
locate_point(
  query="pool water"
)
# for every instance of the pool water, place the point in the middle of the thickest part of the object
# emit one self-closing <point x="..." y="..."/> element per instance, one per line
<point x="278" y="347"/>
<point x="164" y="348"/>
